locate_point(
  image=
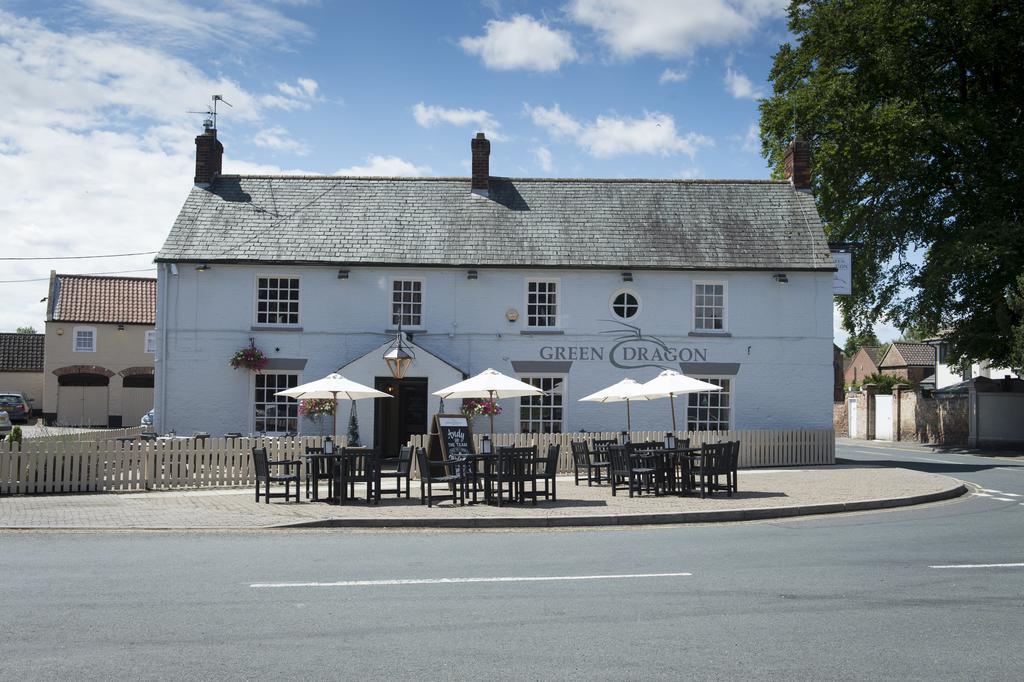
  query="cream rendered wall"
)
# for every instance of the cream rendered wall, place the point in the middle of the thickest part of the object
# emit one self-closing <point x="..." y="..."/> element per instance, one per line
<point x="29" y="384"/>
<point x="115" y="350"/>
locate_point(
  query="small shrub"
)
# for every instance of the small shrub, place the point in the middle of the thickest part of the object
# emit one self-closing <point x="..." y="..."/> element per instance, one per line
<point x="886" y="382"/>
<point x="16" y="434"/>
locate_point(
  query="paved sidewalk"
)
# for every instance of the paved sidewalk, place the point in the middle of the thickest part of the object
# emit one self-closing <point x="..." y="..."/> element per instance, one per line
<point x="763" y="494"/>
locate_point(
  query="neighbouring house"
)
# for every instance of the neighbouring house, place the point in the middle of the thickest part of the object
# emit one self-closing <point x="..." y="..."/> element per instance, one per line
<point x="863" y="363"/>
<point x="914" y="362"/>
<point x="948" y="375"/>
<point x="21" y="366"/>
<point x="568" y="284"/>
<point x="99" y="350"/>
<point x="838" y="367"/>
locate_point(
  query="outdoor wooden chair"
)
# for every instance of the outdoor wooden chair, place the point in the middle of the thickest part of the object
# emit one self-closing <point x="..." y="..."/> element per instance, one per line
<point x="599" y="447"/>
<point x="435" y="473"/>
<point x="397" y="468"/>
<point x="262" y="465"/>
<point x="715" y="462"/>
<point x="318" y="469"/>
<point x="360" y="466"/>
<point x="592" y="463"/>
<point x="626" y="471"/>
<point x="550" y="471"/>
<point x="510" y="470"/>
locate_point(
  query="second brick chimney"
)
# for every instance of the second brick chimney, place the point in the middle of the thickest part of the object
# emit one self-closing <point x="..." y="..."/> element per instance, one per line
<point x="481" y="147"/>
<point x="209" y="155"/>
<point x="798" y="164"/>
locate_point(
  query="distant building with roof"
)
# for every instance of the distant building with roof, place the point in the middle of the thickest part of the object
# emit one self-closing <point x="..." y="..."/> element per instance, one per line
<point x="863" y="363"/>
<point x="914" y="362"/>
<point x="99" y="350"/>
<point x="21" y="366"/>
<point x="569" y="284"/>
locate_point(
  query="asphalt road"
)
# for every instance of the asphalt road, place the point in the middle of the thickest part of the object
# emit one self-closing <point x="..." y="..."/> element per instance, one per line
<point x="839" y="597"/>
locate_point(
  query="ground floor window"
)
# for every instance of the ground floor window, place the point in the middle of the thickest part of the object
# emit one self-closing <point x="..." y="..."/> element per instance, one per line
<point x="710" y="411"/>
<point x="542" y="413"/>
<point x="275" y="413"/>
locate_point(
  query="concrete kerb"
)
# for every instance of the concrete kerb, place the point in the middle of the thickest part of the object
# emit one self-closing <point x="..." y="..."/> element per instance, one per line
<point x="723" y="516"/>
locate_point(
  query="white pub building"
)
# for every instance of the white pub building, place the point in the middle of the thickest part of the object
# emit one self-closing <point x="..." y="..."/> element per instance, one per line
<point x="568" y="284"/>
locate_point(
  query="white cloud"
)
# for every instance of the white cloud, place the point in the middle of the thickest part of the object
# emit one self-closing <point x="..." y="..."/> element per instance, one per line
<point x="739" y="86"/>
<point x="554" y="120"/>
<point x="672" y="28"/>
<point x="96" y="151"/>
<point x="673" y="76"/>
<point x="543" y="157"/>
<point x="242" y="23"/>
<point x="302" y="95"/>
<point x="608" y="136"/>
<point x="386" y="166"/>
<point x="522" y="42"/>
<point x="278" y="139"/>
<point x="429" y="116"/>
<point x="752" y="139"/>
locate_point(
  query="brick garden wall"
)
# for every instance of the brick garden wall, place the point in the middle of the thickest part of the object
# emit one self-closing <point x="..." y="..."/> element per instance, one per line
<point x="933" y="420"/>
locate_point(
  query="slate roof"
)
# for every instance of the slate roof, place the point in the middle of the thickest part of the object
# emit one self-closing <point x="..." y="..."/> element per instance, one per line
<point x="912" y="354"/>
<point x="21" y="352"/>
<point x="607" y="224"/>
<point x="872" y="352"/>
<point x="90" y="298"/>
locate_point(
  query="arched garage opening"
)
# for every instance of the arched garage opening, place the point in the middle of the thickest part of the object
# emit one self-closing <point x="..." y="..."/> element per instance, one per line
<point x="136" y="398"/>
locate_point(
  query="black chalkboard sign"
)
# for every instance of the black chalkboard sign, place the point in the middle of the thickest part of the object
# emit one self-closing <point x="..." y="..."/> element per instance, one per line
<point x="450" y="435"/>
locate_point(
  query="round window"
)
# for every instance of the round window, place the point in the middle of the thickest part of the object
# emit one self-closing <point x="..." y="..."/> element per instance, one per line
<point x="625" y="305"/>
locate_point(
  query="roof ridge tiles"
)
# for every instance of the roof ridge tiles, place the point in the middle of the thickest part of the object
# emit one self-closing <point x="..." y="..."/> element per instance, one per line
<point x="453" y="178"/>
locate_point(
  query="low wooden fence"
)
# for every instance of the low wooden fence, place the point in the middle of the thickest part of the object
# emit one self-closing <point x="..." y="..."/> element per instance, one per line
<point x="65" y="433"/>
<point x="68" y="466"/>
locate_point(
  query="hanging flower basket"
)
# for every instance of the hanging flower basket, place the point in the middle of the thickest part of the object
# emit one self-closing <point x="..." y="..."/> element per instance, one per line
<point x="316" y="408"/>
<point x="251" y="358"/>
<point x="472" y="407"/>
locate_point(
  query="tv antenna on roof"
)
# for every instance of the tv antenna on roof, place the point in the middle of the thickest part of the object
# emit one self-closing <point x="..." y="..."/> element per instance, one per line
<point x="210" y="122"/>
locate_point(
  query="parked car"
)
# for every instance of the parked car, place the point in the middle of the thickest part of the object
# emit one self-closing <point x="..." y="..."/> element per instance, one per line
<point x="5" y="425"/>
<point x="147" y="419"/>
<point x="16" y="407"/>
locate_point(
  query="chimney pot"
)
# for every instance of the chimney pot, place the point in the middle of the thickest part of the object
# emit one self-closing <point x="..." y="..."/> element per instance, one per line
<point x="481" y="148"/>
<point x="797" y="161"/>
<point x="209" y="155"/>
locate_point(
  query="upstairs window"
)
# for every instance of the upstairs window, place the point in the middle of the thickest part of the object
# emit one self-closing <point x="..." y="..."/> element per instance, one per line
<point x="277" y="300"/>
<point x="150" y="345"/>
<point x="709" y="307"/>
<point x="84" y="339"/>
<point x="625" y="305"/>
<point x="407" y="303"/>
<point x="542" y="303"/>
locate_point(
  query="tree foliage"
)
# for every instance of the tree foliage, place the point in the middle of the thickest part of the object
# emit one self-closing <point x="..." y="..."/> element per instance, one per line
<point x="855" y="341"/>
<point x="25" y="330"/>
<point x="914" y="111"/>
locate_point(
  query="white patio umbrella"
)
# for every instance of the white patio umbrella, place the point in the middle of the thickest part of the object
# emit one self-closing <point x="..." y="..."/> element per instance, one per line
<point x="624" y="391"/>
<point x="671" y="383"/>
<point x="332" y="387"/>
<point x="490" y="384"/>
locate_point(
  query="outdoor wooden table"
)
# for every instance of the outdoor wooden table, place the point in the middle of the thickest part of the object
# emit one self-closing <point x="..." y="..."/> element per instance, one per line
<point x="312" y="460"/>
<point x="672" y="467"/>
<point x="341" y="463"/>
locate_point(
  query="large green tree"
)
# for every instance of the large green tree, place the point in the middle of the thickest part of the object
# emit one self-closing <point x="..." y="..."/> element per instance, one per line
<point x="914" y="111"/>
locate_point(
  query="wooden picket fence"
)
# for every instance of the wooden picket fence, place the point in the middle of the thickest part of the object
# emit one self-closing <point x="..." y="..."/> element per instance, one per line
<point x="63" y="433"/>
<point x="41" y="466"/>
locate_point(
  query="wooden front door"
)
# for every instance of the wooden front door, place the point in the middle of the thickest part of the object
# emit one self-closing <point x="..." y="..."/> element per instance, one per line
<point x="404" y="415"/>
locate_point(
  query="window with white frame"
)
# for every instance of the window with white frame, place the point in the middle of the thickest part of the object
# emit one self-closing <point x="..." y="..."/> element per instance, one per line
<point x="542" y="413"/>
<point x="407" y="303"/>
<point x="275" y="413"/>
<point x="277" y="300"/>
<point x="541" y="303"/>
<point x="84" y="339"/>
<point x="710" y="410"/>
<point x="709" y="306"/>
<point x="150" y="346"/>
<point x="625" y="304"/>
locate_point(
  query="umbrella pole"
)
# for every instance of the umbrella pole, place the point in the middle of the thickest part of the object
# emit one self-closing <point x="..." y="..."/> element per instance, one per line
<point x="334" y="425"/>
<point x="672" y="401"/>
<point x="491" y="417"/>
<point x="629" y="423"/>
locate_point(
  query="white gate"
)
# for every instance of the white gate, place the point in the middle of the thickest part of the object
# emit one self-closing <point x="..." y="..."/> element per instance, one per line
<point x="883" y="417"/>
<point x="851" y="417"/>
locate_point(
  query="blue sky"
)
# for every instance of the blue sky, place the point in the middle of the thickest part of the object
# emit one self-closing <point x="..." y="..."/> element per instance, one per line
<point x="96" y="137"/>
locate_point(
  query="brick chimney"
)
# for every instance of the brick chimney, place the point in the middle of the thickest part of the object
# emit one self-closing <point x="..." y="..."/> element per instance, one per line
<point x="481" y="147"/>
<point x="798" y="164"/>
<point x="209" y="154"/>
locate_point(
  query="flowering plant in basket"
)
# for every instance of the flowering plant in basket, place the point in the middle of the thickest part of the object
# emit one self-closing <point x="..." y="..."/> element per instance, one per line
<point x="250" y="357"/>
<point x="316" y="407"/>
<point x="473" y="407"/>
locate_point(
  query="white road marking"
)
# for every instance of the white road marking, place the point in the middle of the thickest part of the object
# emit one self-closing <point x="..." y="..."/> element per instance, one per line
<point x="1011" y="494"/>
<point x="1004" y="499"/>
<point x="980" y="566"/>
<point x="448" y="581"/>
<point x="991" y="491"/>
<point x="982" y="495"/>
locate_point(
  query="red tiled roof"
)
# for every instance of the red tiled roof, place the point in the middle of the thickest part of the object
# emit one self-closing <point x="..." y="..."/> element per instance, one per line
<point x="88" y="298"/>
<point x="21" y="352"/>
<point x="913" y="354"/>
